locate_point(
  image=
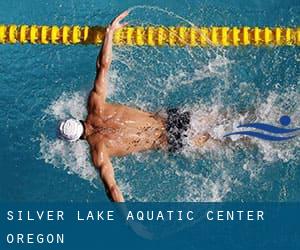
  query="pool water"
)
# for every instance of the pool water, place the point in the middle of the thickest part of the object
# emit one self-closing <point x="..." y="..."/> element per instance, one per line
<point x="43" y="84"/>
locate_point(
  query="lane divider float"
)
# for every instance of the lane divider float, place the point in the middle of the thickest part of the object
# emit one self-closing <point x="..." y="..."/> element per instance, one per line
<point x="152" y="35"/>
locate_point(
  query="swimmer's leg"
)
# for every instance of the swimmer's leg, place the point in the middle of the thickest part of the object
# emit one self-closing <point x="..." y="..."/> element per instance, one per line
<point x="200" y="140"/>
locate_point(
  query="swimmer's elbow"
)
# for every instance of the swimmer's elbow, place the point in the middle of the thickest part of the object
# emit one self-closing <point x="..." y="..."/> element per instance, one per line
<point x="105" y="63"/>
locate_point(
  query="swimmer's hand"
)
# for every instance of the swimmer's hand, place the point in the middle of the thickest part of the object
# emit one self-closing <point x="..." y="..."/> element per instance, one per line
<point x="115" y="24"/>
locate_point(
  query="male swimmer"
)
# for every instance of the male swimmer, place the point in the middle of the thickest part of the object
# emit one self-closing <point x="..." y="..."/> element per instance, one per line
<point x="117" y="130"/>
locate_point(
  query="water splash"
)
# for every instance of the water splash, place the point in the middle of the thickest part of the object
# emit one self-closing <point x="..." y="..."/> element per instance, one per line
<point x="74" y="158"/>
<point x="192" y="185"/>
<point x="214" y="85"/>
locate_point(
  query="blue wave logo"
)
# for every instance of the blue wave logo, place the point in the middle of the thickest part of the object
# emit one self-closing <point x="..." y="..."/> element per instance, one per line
<point x="279" y="133"/>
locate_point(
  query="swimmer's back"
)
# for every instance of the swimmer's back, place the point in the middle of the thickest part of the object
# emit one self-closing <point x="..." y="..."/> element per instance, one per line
<point x="126" y="130"/>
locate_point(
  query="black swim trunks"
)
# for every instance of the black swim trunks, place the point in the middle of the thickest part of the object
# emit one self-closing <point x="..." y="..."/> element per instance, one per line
<point x="177" y="125"/>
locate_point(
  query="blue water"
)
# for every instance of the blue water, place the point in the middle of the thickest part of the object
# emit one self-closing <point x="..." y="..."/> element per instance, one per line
<point x="42" y="84"/>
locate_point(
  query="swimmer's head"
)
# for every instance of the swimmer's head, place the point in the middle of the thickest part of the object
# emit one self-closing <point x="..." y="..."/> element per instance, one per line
<point x="70" y="130"/>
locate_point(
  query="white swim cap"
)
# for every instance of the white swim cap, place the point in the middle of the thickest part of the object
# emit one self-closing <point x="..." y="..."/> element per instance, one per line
<point x="70" y="130"/>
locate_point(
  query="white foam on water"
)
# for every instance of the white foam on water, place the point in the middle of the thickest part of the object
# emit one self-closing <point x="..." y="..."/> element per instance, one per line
<point x="68" y="105"/>
<point x="218" y="120"/>
<point x="200" y="188"/>
<point x="72" y="157"/>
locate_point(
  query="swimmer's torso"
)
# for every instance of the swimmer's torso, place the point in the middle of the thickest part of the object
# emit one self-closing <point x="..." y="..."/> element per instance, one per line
<point x="124" y="130"/>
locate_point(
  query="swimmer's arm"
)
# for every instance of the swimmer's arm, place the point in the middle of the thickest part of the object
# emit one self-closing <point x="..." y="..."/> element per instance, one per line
<point x="102" y="65"/>
<point x="105" y="56"/>
<point x="103" y="164"/>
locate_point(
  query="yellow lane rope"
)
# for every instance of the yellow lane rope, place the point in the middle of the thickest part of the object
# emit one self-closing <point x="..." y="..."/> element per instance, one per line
<point x="152" y="35"/>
